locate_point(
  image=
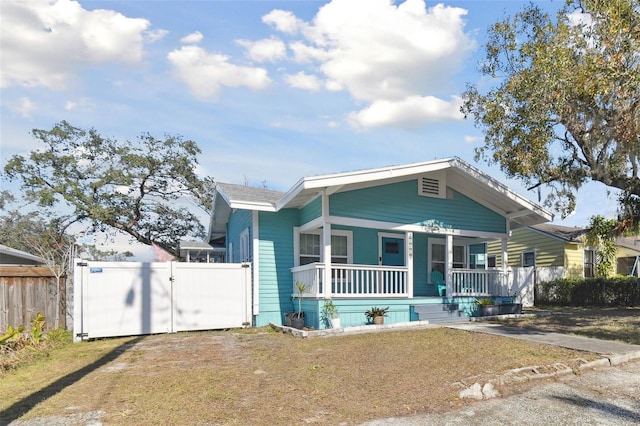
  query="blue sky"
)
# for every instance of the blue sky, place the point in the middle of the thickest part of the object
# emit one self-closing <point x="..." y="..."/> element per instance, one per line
<point x="270" y="90"/>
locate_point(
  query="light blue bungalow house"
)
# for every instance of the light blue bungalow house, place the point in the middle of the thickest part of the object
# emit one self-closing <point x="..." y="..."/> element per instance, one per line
<point x="376" y="236"/>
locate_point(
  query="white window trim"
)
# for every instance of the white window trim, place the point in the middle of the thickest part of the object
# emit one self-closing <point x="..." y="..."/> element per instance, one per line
<point x="341" y="232"/>
<point x="593" y="265"/>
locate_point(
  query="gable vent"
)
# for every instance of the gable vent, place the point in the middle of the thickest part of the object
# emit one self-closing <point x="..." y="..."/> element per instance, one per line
<point x="432" y="186"/>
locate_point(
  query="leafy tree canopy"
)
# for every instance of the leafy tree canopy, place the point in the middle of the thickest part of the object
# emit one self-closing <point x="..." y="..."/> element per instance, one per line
<point x="136" y="187"/>
<point x="601" y="236"/>
<point x="565" y="106"/>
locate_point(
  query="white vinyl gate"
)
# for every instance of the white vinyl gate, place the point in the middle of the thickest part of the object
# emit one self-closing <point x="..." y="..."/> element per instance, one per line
<point x="133" y="298"/>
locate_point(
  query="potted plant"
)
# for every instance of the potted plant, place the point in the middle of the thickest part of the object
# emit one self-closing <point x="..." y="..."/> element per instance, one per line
<point x="514" y="307"/>
<point x="330" y="313"/>
<point x="297" y="318"/>
<point x="376" y="315"/>
<point x="486" y="307"/>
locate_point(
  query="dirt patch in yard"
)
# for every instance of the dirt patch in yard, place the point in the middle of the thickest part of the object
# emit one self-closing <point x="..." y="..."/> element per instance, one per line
<point x="262" y="377"/>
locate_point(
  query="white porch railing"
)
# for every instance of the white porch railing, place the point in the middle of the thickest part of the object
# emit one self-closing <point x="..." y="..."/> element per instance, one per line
<point x="477" y="282"/>
<point x="349" y="280"/>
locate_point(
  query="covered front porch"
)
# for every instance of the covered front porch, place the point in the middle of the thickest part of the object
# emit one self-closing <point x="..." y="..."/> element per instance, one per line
<point x="356" y="288"/>
<point x="381" y="281"/>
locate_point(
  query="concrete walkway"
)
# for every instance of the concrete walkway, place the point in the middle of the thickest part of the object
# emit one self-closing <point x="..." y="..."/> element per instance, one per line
<point x="616" y="352"/>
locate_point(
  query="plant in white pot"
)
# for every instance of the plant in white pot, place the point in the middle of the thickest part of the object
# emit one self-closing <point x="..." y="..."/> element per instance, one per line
<point x="330" y="313"/>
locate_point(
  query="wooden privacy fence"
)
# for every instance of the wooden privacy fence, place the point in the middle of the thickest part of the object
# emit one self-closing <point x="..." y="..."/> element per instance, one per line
<point x="27" y="290"/>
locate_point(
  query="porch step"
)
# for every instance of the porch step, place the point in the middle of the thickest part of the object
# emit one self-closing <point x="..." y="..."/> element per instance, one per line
<point x="440" y="313"/>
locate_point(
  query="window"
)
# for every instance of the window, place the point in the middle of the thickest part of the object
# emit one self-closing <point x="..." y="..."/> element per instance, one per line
<point x="477" y="261"/>
<point x="528" y="258"/>
<point x="310" y="247"/>
<point x="589" y="263"/>
<point x="491" y="261"/>
<point x="438" y="256"/>
<point x="339" y="249"/>
<point x="458" y="256"/>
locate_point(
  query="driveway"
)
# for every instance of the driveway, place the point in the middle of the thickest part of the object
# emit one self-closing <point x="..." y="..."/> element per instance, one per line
<point x="604" y="396"/>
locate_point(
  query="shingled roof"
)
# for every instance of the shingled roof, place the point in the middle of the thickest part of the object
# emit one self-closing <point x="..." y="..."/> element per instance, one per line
<point x="566" y="233"/>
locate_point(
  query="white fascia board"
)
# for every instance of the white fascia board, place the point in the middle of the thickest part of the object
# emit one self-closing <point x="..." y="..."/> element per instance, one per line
<point x="370" y="175"/>
<point x="252" y="205"/>
<point x="500" y="187"/>
<point x="290" y="195"/>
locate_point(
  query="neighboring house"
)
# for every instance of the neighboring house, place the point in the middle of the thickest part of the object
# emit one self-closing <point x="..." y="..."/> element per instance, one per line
<point x="628" y="255"/>
<point x="556" y="251"/>
<point x="201" y="252"/>
<point x="10" y="256"/>
<point x="375" y="235"/>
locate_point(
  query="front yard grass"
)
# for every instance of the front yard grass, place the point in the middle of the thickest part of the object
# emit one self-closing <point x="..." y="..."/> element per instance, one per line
<point x="621" y="324"/>
<point x="261" y="377"/>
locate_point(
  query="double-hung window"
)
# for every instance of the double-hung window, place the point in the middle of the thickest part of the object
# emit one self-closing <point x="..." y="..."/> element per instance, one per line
<point x="589" y="263"/>
<point x="310" y="247"/>
<point x="528" y="258"/>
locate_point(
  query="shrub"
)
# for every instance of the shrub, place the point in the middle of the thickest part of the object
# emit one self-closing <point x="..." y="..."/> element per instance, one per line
<point x="615" y="291"/>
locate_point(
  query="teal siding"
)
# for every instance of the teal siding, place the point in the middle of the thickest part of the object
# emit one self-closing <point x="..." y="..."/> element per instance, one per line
<point x="276" y="261"/>
<point x="311" y="211"/>
<point x="400" y="203"/>
<point x="365" y="246"/>
<point x="421" y="286"/>
<point x="351" y="311"/>
<point x="238" y="222"/>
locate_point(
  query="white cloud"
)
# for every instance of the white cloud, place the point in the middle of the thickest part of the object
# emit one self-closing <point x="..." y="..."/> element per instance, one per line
<point x="155" y="35"/>
<point x="283" y="21"/>
<point x="472" y="139"/>
<point x="269" y="49"/>
<point x="389" y="56"/>
<point x="26" y="107"/>
<point x="45" y="42"/>
<point x="409" y="112"/>
<point x="304" y="81"/>
<point x="83" y="104"/>
<point x="205" y="73"/>
<point x="192" y="38"/>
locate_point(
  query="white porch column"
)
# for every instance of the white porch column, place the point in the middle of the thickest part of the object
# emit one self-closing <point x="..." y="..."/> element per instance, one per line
<point x="448" y="260"/>
<point x="326" y="249"/>
<point x="504" y="282"/>
<point x="409" y="262"/>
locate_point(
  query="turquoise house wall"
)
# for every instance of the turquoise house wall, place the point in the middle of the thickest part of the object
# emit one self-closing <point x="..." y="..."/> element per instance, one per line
<point x="311" y="211"/>
<point x="275" y="263"/>
<point x="238" y="222"/>
<point x="421" y="286"/>
<point x="400" y="203"/>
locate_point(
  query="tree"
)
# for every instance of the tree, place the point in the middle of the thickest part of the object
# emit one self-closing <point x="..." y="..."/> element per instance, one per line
<point x="601" y="236"/>
<point x="133" y="187"/>
<point x="45" y="237"/>
<point x="565" y="107"/>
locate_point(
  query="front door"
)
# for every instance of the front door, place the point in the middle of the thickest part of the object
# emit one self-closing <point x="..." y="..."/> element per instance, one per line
<point x="392" y="251"/>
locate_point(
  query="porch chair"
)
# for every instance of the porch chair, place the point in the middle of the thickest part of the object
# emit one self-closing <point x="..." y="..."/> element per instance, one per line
<point x="438" y="282"/>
